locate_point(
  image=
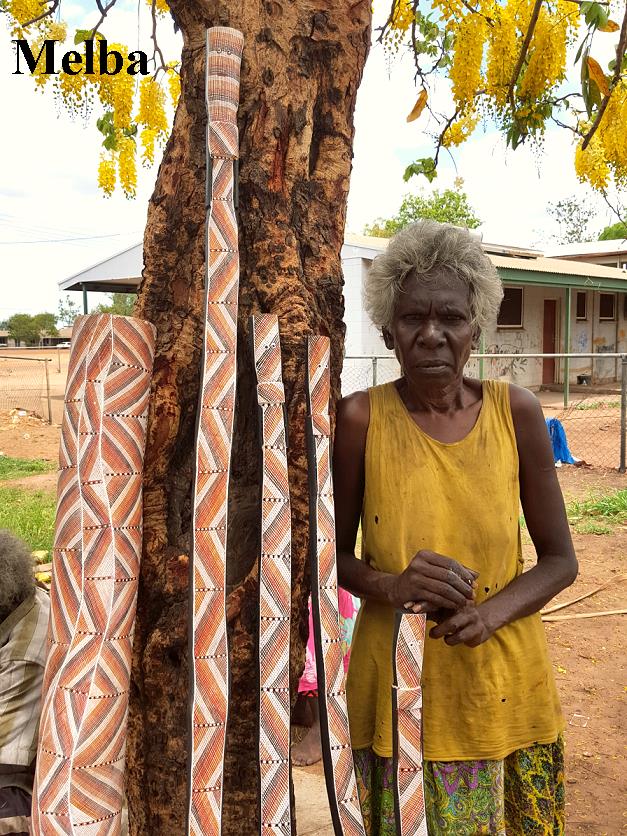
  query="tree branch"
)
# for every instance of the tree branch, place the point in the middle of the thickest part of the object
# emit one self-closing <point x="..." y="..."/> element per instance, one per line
<point x="104" y="11"/>
<point x="383" y="29"/>
<point x="620" y="54"/>
<point x="523" y="52"/>
<point x="614" y="209"/>
<point x="153" y="36"/>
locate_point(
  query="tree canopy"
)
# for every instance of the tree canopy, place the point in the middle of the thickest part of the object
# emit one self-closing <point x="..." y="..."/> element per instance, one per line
<point x="24" y="328"/>
<point x="119" y="303"/>
<point x="613" y="232"/>
<point x="446" y="206"/>
<point x="506" y="63"/>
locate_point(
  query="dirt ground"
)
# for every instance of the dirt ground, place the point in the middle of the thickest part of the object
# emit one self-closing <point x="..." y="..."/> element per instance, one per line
<point x="23" y="380"/>
<point x="587" y="654"/>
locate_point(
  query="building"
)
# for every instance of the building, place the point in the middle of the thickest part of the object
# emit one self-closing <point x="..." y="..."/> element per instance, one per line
<point x="552" y="305"/>
<point x="540" y="293"/>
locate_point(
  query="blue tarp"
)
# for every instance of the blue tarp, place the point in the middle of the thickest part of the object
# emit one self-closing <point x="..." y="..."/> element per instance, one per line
<point x="561" y="453"/>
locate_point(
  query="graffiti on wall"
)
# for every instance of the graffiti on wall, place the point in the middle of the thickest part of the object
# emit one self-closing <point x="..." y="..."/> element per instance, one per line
<point x="581" y="341"/>
<point x="509" y="367"/>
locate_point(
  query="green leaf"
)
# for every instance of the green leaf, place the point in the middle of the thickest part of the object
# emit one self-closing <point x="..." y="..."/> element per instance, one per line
<point x="424" y="166"/>
<point x="110" y="142"/>
<point x="582" y="46"/>
<point x="130" y="132"/>
<point x="105" y="123"/>
<point x="83" y="35"/>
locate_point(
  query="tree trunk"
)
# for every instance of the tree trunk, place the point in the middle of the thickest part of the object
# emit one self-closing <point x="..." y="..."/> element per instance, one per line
<point x="302" y="65"/>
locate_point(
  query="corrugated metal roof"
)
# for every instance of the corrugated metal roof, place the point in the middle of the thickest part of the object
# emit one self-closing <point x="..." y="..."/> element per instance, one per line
<point x="559" y="266"/>
<point x="617" y="246"/>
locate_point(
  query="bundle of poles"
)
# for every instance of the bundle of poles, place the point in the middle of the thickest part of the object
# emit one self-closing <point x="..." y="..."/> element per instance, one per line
<point x="80" y="762"/>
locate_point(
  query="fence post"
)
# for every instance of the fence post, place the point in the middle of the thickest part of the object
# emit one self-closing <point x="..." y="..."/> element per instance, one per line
<point x="48" y="391"/>
<point x="623" y="413"/>
<point x="374" y="371"/>
<point x="567" y="349"/>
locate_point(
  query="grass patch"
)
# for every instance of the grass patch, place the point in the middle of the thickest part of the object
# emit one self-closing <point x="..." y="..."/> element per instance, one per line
<point x="19" y="468"/>
<point x="595" y="515"/>
<point x="29" y="515"/>
<point x="598" y="515"/>
<point x="598" y="405"/>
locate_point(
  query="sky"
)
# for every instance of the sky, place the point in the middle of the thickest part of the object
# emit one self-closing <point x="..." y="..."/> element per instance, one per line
<point x="55" y="222"/>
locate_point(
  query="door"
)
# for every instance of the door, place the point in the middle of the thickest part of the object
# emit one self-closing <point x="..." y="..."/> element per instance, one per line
<point x="548" y="340"/>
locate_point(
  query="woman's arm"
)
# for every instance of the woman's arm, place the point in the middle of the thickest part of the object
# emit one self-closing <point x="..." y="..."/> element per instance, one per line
<point x="434" y="579"/>
<point x="545" y="516"/>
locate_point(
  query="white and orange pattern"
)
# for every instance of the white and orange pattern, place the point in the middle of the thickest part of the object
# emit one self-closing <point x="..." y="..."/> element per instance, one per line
<point x="275" y="599"/>
<point x="209" y="692"/>
<point x="79" y="784"/>
<point x="408" y="649"/>
<point x="336" y="747"/>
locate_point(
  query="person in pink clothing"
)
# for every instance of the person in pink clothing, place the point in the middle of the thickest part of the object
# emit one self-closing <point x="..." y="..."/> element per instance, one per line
<point x="309" y="750"/>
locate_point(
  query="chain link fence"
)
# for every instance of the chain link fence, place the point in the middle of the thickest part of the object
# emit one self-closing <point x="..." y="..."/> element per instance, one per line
<point x="25" y="385"/>
<point x="591" y="407"/>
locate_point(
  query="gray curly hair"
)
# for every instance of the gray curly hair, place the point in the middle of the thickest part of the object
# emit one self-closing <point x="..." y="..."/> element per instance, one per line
<point x="17" y="580"/>
<point x="422" y="248"/>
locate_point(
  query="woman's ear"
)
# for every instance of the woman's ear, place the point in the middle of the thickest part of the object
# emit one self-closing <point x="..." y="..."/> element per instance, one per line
<point x="476" y="337"/>
<point x="387" y="339"/>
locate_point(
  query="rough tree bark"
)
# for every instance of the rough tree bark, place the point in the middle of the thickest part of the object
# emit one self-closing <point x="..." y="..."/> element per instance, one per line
<point x="302" y="64"/>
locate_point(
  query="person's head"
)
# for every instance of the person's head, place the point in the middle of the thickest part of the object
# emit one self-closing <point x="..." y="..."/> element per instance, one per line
<point x="17" y="580"/>
<point x="431" y="293"/>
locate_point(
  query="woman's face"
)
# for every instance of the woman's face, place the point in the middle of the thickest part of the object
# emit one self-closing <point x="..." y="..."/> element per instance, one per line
<point x="431" y="330"/>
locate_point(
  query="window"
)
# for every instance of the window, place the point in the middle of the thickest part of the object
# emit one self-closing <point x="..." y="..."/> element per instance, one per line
<point x="607" y="306"/>
<point x="582" y="305"/>
<point x="511" y="312"/>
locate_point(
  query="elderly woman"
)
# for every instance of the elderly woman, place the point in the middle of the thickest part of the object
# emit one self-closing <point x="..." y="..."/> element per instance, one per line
<point x="436" y="465"/>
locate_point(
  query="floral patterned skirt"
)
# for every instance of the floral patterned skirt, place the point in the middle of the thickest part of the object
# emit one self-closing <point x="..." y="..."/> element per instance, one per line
<point x="522" y="795"/>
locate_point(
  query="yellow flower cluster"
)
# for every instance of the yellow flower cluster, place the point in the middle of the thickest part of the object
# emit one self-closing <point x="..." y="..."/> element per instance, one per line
<point x="152" y="105"/>
<point x="127" y="168"/>
<point x="614" y="135"/>
<point x="461" y="129"/>
<point x="465" y="70"/>
<point x="117" y="92"/>
<point x="504" y="47"/>
<point x="590" y="164"/>
<point x="174" y="83"/>
<point x="23" y="11"/>
<point x="546" y="57"/>
<point x="402" y="19"/>
<point x="74" y="91"/>
<point x="106" y="175"/>
<point x="451" y="10"/>
<point x="152" y="116"/>
<point x="148" y="137"/>
<point x="57" y="31"/>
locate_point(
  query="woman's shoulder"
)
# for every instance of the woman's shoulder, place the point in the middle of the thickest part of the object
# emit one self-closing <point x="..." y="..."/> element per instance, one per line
<point x="353" y="411"/>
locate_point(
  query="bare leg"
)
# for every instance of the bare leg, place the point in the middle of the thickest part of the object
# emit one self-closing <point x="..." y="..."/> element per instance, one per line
<point x="309" y="750"/>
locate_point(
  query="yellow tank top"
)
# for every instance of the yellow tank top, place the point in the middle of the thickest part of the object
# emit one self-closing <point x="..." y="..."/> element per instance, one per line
<point x="460" y="499"/>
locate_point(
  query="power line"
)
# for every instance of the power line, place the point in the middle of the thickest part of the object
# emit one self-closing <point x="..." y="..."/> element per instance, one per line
<point x="65" y="240"/>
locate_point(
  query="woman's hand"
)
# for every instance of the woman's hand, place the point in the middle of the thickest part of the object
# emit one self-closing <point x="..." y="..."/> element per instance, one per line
<point x="432" y="581"/>
<point x="467" y="626"/>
